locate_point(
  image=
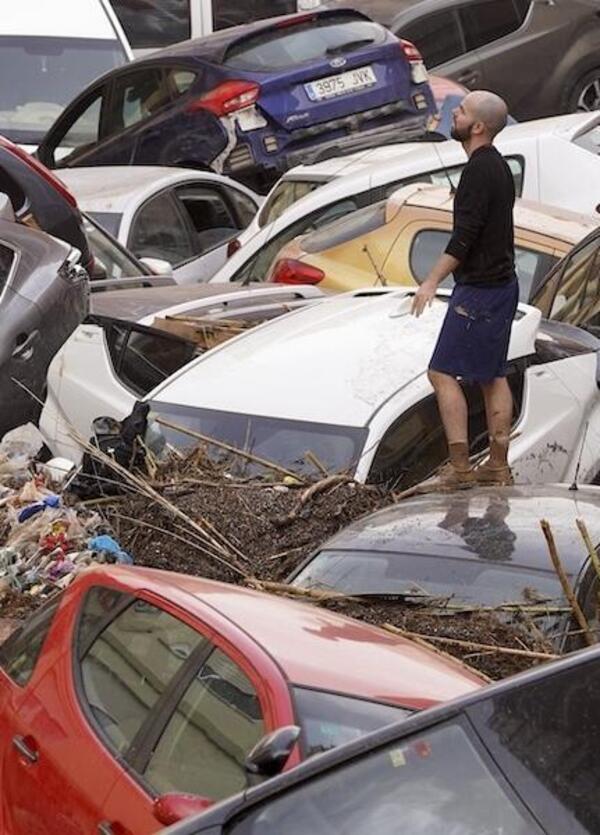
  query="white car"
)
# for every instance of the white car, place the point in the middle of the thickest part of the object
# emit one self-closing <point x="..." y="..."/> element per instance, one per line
<point x="554" y="161"/>
<point x="51" y="49"/>
<point x="344" y="379"/>
<point x="177" y="215"/>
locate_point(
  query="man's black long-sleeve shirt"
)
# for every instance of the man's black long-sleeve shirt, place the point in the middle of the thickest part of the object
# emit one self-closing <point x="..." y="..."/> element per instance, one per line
<point x="483" y="236"/>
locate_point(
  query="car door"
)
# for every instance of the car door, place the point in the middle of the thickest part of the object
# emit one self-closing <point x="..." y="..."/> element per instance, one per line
<point x="21" y="377"/>
<point x="514" y="39"/>
<point x="199" y="748"/>
<point x="440" y="39"/>
<point x="54" y="777"/>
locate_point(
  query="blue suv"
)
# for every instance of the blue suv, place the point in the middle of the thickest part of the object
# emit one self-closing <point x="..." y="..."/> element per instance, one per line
<point x="252" y="101"/>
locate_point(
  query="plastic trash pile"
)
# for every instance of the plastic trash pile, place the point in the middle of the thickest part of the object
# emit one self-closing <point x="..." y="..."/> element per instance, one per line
<point x="44" y="542"/>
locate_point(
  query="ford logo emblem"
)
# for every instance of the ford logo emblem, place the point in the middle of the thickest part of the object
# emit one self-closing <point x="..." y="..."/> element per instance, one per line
<point x="337" y="62"/>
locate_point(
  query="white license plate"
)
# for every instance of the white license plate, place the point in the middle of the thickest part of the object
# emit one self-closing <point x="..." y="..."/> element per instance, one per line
<point x="339" y="85"/>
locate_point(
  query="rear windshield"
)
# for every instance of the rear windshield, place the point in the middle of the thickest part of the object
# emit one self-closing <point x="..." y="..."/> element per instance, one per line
<point x="346" y="229"/>
<point x="489" y="580"/>
<point x="110" y="259"/>
<point x="295" y="445"/>
<point x="310" y="41"/>
<point x="284" y="195"/>
<point x="329" y="720"/>
<point x="39" y="76"/>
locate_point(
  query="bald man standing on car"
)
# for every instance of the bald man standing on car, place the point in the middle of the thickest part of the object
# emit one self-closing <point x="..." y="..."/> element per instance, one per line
<point x="473" y="342"/>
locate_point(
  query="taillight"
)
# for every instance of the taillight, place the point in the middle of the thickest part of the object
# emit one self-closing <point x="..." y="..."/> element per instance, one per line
<point x="291" y="271"/>
<point x="233" y="246"/>
<point x="227" y="98"/>
<point x="411" y="53"/>
<point x="40" y="169"/>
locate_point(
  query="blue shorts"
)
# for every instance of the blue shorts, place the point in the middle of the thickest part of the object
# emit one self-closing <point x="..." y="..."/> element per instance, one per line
<point x="473" y="342"/>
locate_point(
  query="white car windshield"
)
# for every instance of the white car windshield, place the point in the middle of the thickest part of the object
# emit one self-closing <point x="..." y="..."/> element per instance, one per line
<point x="299" y="446"/>
<point x="50" y="73"/>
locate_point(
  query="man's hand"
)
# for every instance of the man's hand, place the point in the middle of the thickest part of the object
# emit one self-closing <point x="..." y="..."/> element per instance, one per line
<point x="423" y="297"/>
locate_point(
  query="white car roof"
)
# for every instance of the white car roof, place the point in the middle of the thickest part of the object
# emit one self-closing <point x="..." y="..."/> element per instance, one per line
<point x="337" y="361"/>
<point x="57" y="18"/>
<point x="122" y="188"/>
<point x="566" y="127"/>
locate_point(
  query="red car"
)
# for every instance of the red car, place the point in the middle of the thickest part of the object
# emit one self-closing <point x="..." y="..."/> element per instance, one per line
<point x="137" y="689"/>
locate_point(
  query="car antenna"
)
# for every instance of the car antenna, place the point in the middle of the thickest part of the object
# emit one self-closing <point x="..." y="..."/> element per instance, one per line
<point x="575" y="486"/>
<point x="445" y="169"/>
<point x="380" y="276"/>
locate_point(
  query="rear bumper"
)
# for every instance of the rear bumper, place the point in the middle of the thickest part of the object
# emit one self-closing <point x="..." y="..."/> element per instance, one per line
<point x="405" y="131"/>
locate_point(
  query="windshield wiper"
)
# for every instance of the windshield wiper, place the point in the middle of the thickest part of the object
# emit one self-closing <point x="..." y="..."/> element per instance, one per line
<point x="348" y="47"/>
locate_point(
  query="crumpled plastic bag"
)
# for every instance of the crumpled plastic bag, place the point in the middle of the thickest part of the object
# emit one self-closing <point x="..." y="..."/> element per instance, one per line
<point x="18" y="448"/>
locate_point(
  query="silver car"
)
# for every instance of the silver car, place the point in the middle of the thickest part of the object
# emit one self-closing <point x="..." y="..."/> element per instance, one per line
<point x="43" y="297"/>
<point x="542" y="56"/>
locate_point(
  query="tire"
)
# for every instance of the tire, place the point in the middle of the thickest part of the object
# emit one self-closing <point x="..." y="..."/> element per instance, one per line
<point x="585" y="95"/>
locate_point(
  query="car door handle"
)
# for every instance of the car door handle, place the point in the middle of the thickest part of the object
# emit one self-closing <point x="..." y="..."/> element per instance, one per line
<point x="30" y="754"/>
<point x="24" y="349"/>
<point x="105" y="828"/>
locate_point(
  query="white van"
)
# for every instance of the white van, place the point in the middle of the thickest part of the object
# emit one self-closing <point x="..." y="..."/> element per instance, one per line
<point x="50" y="50"/>
<point x="153" y="24"/>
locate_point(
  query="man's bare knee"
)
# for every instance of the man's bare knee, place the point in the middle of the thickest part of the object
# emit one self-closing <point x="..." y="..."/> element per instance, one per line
<point x="438" y="379"/>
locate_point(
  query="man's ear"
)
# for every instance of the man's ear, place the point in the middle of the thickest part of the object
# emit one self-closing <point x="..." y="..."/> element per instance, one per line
<point x="478" y="128"/>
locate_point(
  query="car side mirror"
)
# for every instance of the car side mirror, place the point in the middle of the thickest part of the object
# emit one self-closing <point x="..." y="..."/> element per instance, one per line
<point x="270" y="754"/>
<point x="6" y="208"/>
<point x="158" y="266"/>
<point x="99" y="272"/>
<point x="172" y="807"/>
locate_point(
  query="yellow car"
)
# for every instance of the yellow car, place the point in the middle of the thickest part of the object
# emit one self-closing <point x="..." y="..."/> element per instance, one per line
<point x="397" y="240"/>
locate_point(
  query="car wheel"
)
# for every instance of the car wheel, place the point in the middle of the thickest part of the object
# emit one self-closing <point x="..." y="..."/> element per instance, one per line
<point x="585" y="95"/>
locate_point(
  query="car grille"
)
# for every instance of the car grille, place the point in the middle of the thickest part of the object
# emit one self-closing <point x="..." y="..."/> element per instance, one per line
<point x="353" y="121"/>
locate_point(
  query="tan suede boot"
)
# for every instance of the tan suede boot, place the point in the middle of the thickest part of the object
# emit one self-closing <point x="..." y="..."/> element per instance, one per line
<point x="495" y="471"/>
<point x="457" y="473"/>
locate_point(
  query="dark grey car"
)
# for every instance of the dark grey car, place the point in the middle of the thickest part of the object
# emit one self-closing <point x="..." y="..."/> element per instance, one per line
<point x="542" y="56"/>
<point x="43" y="297"/>
<point x="482" y="547"/>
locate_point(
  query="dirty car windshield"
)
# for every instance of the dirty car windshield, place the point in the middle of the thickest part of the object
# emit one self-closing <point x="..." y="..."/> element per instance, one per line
<point x="50" y="72"/>
<point x="487" y="582"/>
<point x="433" y="783"/>
<point x="295" y="445"/>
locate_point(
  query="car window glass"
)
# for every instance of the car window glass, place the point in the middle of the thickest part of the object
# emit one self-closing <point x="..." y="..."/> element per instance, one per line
<point x="158" y="230"/>
<point x="7" y="259"/>
<point x="209" y="214"/>
<point x="258" y="266"/>
<point x="415" y="786"/>
<point x="522" y="7"/>
<point x="21" y="650"/>
<point x="227" y="13"/>
<point x="589" y="140"/>
<point x="244" y="205"/>
<point x="436" y="36"/>
<point x="154" y="23"/>
<point x="487" y="20"/>
<point x="329" y="719"/>
<point x="205" y="743"/>
<point x="143" y="358"/>
<point x="84" y="131"/>
<point x="284" y="195"/>
<point x="429" y="244"/>
<point x="180" y="80"/>
<point x="311" y="41"/>
<point x="414" y="446"/>
<point x="361" y="222"/>
<point x="545" y="735"/>
<point x="130" y="664"/>
<point x="571" y="300"/>
<point x="136" y="97"/>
